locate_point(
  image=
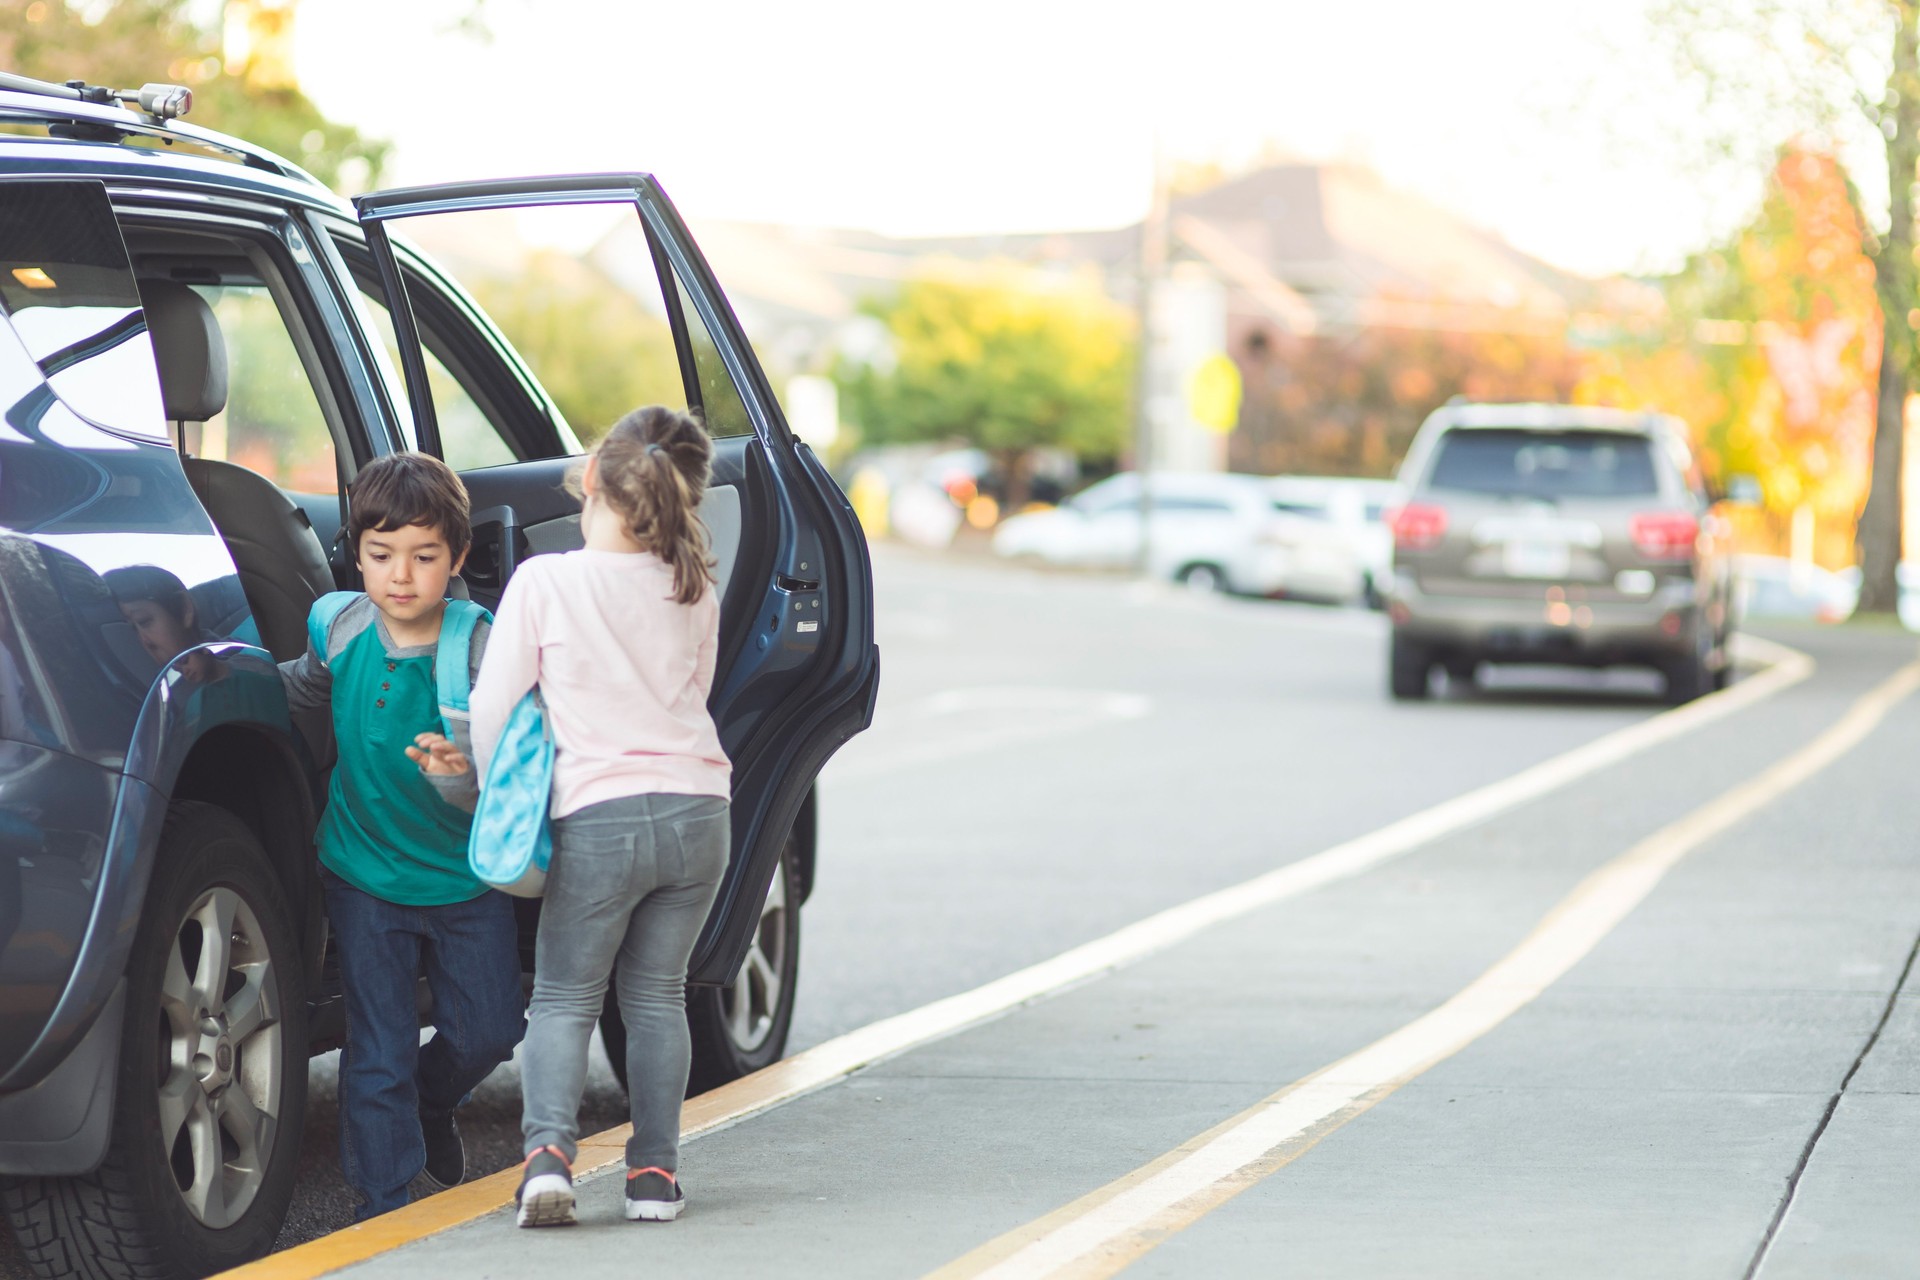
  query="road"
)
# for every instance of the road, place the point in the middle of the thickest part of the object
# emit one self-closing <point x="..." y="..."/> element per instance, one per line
<point x="1058" y="757"/>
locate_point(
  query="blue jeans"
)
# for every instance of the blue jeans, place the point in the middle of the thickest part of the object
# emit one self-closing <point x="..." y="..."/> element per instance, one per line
<point x="471" y="953"/>
<point x="627" y="894"/>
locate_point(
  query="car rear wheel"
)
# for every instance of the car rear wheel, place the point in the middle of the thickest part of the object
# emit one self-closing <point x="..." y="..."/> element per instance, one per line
<point x="1203" y="578"/>
<point x="212" y="1083"/>
<point x="1407" y="667"/>
<point x="739" y="1028"/>
<point x="1691" y="675"/>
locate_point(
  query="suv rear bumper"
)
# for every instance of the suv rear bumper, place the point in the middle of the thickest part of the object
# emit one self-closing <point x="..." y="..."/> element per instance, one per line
<point x="1583" y="633"/>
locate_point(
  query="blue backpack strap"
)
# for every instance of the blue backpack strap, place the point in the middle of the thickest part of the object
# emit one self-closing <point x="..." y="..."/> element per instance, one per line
<point x="452" y="662"/>
<point x="320" y="618"/>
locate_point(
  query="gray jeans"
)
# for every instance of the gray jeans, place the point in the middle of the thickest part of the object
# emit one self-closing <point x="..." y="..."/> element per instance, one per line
<point x="627" y="891"/>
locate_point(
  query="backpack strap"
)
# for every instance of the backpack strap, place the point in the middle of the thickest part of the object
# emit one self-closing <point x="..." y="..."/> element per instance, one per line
<point x="321" y="617"/>
<point x="452" y="663"/>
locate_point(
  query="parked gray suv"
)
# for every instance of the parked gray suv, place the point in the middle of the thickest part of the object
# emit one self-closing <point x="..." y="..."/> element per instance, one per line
<point x="1543" y="533"/>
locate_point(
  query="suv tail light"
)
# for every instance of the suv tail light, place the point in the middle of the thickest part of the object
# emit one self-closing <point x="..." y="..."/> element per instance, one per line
<point x="1416" y="526"/>
<point x="1665" y="535"/>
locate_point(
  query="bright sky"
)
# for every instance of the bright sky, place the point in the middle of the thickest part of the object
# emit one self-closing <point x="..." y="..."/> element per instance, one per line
<point x="1545" y="120"/>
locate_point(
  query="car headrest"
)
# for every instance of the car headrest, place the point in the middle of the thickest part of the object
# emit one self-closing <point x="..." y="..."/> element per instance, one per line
<point x="188" y="348"/>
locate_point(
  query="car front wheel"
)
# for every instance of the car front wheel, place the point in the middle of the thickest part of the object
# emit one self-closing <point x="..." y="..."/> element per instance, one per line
<point x="212" y="1083"/>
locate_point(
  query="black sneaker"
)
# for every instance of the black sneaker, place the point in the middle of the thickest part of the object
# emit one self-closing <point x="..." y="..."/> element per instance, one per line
<point x="653" y="1195"/>
<point x="446" y="1154"/>
<point x="545" y="1196"/>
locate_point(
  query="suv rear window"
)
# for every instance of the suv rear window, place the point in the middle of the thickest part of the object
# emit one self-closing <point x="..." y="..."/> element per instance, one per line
<point x="1559" y="464"/>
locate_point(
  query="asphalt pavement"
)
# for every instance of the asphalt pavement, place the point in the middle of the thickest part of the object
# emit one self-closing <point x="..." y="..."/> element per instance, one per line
<point x="1057" y="757"/>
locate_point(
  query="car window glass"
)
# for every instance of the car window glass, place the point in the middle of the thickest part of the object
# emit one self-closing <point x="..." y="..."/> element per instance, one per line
<point x="272" y="423"/>
<point x="724" y="411"/>
<point x="1545" y="465"/>
<point x="599" y="345"/>
<point x="468" y="437"/>
<point x="1213" y="506"/>
<point x="68" y="288"/>
<point x="1307" y="509"/>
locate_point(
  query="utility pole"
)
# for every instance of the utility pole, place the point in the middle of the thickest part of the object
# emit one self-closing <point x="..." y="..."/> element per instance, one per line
<point x="1152" y="264"/>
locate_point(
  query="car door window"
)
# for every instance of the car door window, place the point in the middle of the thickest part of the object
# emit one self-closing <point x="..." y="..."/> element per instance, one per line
<point x="273" y="423"/>
<point x="469" y="438"/>
<point x="597" y="342"/>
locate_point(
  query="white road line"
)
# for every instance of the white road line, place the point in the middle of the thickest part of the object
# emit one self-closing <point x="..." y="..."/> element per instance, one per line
<point x="1117" y="1224"/>
<point x="877" y="1041"/>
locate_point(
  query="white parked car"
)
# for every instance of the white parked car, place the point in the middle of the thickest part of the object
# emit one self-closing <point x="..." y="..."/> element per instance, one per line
<point x="1210" y="531"/>
<point x="1352" y="558"/>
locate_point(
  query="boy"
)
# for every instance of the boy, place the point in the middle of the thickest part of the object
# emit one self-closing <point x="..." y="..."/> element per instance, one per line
<point x="393" y="845"/>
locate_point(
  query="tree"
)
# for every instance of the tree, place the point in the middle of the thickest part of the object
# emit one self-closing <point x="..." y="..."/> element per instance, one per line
<point x="1006" y="360"/>
<point x="1823" y="67"/>
<point x="1772" y="350"/>
<point x="132" y="42"/>
<point x="1349" y="404"/>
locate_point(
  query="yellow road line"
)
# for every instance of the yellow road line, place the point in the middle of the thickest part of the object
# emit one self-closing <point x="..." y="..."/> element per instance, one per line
<point x="838" y="1058"/>
<point x="1105" y="1231"/>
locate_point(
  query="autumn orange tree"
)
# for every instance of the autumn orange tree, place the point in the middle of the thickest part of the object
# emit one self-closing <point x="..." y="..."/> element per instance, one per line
<point x="1773" y="350"/>
<point x="1348" y="403"/>
<point x="1837" y="70"/>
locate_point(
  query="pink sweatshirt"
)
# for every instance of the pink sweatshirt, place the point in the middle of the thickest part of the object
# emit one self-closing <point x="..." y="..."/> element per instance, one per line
<point x="625" y="672"/>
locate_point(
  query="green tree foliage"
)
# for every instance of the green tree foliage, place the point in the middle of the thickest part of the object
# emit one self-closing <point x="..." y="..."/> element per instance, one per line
<point x="595" y="349"/>
<point x="1002" y="360"/>
<point x="133" y="42"/>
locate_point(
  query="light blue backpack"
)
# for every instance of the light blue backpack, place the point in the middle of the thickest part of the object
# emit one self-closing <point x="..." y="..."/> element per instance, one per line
<point x="512" y="843"/>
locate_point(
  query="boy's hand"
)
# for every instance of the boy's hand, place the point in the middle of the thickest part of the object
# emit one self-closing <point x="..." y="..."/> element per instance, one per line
<point x="434" y="754"/>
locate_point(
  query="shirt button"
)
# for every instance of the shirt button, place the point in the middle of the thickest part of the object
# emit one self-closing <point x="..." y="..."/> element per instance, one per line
<point x="380" y="702"/>
<point x="384" y="685"/>
<point x="393" y="666"/>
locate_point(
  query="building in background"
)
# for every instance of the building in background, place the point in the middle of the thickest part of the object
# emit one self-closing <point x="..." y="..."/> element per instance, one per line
<point x="1349" y="308"/>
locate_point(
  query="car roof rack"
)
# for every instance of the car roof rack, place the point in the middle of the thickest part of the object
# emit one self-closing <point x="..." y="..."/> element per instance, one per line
<point x="102" y="114"/>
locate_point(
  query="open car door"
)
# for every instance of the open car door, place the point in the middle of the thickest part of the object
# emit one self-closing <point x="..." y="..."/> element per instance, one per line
<point x="798" y="670"/>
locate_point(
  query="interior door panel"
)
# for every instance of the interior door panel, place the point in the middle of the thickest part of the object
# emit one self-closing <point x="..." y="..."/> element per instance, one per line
<point x="797" y="669"/>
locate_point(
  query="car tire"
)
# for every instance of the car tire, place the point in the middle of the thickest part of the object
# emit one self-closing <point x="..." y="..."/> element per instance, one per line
<point x="1461" y="672"/>
<point x="1407" y="667"/>
<point x="1688" y="678"/>
<point x="235" y="1104"/>
<point x="1205" y="579"/>
<point x="737" y="1029"/>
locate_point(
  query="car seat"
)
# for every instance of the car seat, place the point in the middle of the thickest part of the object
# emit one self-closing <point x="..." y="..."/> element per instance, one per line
<point x="283" y="568"/>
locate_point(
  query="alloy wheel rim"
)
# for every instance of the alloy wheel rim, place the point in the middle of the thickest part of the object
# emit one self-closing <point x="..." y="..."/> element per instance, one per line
<point x="220" y="1057"/>
<point x="752" y="1001"/>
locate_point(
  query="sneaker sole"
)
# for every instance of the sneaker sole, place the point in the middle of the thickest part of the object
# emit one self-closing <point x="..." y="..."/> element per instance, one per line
<point x="654" y="1210"/>
<point x="547" y="1201"/>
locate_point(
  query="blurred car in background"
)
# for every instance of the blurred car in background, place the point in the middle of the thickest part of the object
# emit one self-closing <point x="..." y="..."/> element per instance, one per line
<point x="1209" y="531"/>
<point x="1359" y="559"/>
<point x="1773" y="588"/>
<point x="1556" y="534"/>
<point x="1907" y="573"/>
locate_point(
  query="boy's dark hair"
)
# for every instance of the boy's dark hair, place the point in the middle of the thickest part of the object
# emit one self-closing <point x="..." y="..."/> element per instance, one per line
<point x="409" y="488"/>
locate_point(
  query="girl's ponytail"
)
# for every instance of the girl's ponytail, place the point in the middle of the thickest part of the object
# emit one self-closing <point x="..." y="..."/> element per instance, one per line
<point x="652" y="469"/>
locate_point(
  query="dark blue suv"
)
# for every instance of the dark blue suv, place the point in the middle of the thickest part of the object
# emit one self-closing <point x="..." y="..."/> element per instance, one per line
<point x="199" y="347"/>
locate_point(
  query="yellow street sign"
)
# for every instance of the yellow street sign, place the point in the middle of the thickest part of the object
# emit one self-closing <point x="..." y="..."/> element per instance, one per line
<point x="1213" y="393"/>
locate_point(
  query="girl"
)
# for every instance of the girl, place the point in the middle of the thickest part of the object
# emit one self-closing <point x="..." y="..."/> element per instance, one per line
<point x="620" y="637"/>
